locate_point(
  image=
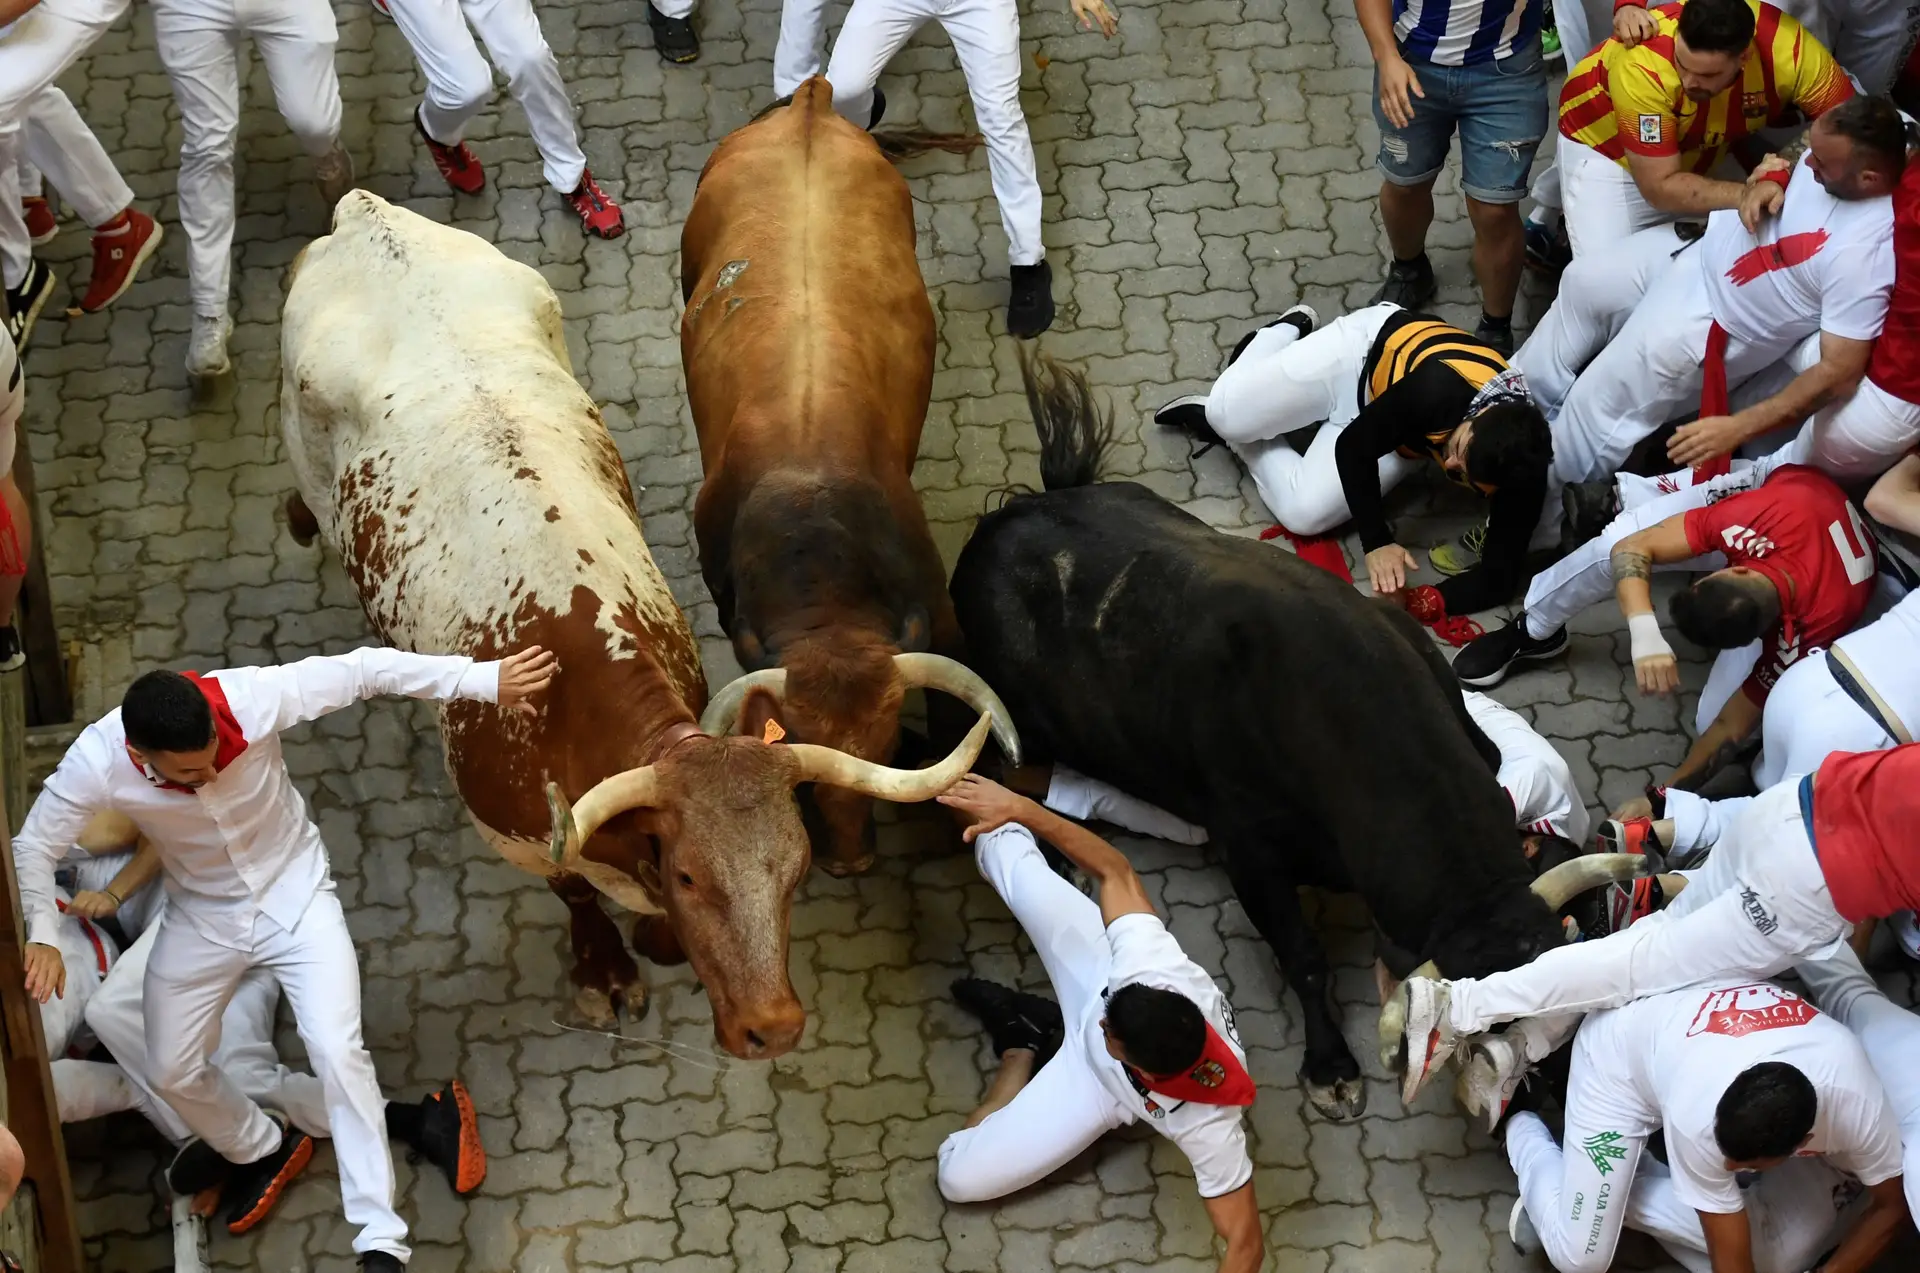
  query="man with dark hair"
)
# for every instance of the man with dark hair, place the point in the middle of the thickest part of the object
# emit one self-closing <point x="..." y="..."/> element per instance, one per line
<point x="194" y="761"/>
<point x="1396" y="390"/>
<point x="1741" y="1077"/>
<point x="1139" y="1032"/>
<point x="1793" y="563"/>
<point x="1642" y="124"/>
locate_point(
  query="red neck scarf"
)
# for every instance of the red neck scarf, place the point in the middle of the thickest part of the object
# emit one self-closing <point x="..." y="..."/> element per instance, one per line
<point x="1217" y="1078"/>
<point x="226" y="731"/>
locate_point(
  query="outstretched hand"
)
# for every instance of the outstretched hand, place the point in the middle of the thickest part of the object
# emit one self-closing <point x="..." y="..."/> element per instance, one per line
<point x="987" y="804"/>
<point x="1095" y="13"/>
<point x="525" y="674"/>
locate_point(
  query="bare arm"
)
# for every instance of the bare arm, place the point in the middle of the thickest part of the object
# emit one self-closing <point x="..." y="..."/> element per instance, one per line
<point x="1886" y="1217"/>
<point x="1672" y="190"/>
<point x="990" y="805"/>
<point x="1236" y="1217"/>
<point x="1842" y="363"/>
<point x="1632" y="561"/>
<point x="131" y="878"/>
<point x="1739" y="718"/>
<point x="1895" y="498"/>
<point x="1398" y="84"/>
<point x="1729" y="1241"/>
<point x="13" y="10"/>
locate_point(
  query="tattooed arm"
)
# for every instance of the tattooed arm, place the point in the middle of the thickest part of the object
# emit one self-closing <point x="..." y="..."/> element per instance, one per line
<point x="1632" y="562"/>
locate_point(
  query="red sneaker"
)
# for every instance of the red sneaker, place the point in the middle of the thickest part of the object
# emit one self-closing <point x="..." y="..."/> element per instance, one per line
<point x="41" y="224"/>
<point x="381" y="7"/>
<point x="458" y="164"/>
<point x="120" y="248"/>
<point x="1631" y="835"/>
<point x="599" y="214"/>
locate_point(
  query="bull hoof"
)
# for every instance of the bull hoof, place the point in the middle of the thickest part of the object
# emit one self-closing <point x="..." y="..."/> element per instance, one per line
<point x="595" y="1008"/>
<point x="1342" y="1102"/>
<point x="841" y="869"/>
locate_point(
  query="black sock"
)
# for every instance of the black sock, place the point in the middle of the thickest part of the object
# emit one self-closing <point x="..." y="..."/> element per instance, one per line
<point x="1497" y="324"/>
<point x="1419" y="262"/>
<point x="405" y="1120"/>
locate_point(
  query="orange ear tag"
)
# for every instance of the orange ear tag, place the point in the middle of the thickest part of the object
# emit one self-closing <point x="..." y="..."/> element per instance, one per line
<point x="772" y="733"/>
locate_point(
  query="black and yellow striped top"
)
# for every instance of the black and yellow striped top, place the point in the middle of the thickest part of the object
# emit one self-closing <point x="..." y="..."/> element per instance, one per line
<point x="1408" y="343"/>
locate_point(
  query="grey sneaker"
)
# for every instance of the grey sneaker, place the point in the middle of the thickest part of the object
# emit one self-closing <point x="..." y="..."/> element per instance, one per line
<point x="1520" y="1230"/>
<point x="207" y="347"/>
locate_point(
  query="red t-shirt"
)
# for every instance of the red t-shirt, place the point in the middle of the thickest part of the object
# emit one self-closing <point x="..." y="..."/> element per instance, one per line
<point x="1895" y="366"/>
<point x="1865" y="808"/>
<point x="1800" y="531"/>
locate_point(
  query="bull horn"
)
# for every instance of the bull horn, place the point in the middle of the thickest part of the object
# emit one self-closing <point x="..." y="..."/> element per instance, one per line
<point x="950" y="676"/>
<point x="723" y="709"/>
<point x="1393" y="1019"/>
<point x="1591" y="870"/>
<point x="902" y="786"/>
<point x="574" y="825"/>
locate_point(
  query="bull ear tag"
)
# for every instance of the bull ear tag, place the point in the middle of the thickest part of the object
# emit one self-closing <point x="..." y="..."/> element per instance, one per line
<point x="771" y="732"/>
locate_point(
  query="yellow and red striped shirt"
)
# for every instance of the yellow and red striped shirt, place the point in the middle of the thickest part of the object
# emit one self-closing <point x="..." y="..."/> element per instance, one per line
<point x="1624" y="101"/>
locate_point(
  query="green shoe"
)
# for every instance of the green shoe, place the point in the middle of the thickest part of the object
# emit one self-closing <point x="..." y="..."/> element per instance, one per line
<point x="1549" y="43"/>
<point x="1463" y="555"/>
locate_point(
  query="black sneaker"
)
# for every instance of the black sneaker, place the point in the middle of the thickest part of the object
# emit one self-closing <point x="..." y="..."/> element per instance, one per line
<point x="1189" y="415"/>
<point x="254" y="1188"/>
<point x="196" y="1167"/>
<point x="381" y="1262"/>
<point x="1303" y="318"/>
<point x="1585" y="510"/>
<point x="1486" y="660"/>
<point x="25" y="302"/>
<point x="1497" y="335"/>
<point x="1013" y="1018"/>
<point x="1030" y="306"/>
<point x="449" y="1137"/>
<point x="673" y="38"/>
<point x="1548" y="251"/>
<point x="879" y="111"/>
<point x="1410" y="284"/>
<point x="12" y="657"/>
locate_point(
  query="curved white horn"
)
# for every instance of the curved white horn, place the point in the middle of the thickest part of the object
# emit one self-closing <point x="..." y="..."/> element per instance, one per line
<point x="722" y="716"/>
<point x="950" y="676"/>
<point x="1393" y="1019"/>
<point x="903" y="786"/>
<point x="1590" y="870"/>
<point x="574" y="825"/>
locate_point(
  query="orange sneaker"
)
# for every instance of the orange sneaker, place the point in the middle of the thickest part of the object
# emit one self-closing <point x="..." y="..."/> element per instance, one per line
<point x="450" y="1137"/>
<point x="120" y="248"/>
<point x="253" y="1189"/>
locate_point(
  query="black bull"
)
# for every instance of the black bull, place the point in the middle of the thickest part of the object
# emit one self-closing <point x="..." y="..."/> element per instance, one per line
<point x="1316" y="733"/>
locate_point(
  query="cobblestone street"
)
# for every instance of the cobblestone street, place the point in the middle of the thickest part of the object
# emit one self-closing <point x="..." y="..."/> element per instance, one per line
<point x="1204" y="170"/>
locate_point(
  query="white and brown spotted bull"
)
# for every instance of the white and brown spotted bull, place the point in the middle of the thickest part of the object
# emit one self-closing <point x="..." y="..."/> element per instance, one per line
<point x="442" y="445"/>
<point x="808" y="343"/>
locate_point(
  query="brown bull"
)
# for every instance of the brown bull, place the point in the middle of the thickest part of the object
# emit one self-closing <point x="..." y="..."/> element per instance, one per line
<point x="808" y="343"/>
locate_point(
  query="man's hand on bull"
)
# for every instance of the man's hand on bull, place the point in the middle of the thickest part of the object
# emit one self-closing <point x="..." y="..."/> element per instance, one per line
<point x="987" y="804"/>
<point x="524" y="675"/>
<point x="1387" y="567"/>
<point x="1095" y="12"/>
<point x="46" y="972"/>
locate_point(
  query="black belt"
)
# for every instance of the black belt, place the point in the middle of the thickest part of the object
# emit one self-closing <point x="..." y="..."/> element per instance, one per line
<point x="1853" y="690"/>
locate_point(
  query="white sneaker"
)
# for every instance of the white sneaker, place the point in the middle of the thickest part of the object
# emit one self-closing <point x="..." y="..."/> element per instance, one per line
<point x="207" y="347"/>
<point x="1494" y="1067"/>
<point x="1520" y="1230"/>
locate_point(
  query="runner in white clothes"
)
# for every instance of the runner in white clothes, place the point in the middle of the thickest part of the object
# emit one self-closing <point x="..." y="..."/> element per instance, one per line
<point x="200" y="44"/>
<point x="1891" y="1036"/>
<point x="1806" y="862"/>
<point x="460" y="84"/>
<point x="195" y="762"/>
<point x="1742" y="1077"/>
<point x="1139" y="1031"/>
<point x="1534" y="775"/>
<point x="39" y="40"/>
<point x="986" y="39"/>
<point x="1737" y="302"/>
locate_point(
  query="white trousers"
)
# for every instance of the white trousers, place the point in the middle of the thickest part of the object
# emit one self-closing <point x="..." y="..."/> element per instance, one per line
<point x="1597" y="294"/>
<point x="246" y="1054"/>
<point x="57" y="145"/>
<point x="675" y="8"/>
<point x="986" y="40"/>
<point x="63" y="1020"/>
<point x="1808" y="717"/>
<point x="1282" y="383"/>
<point x="1602" y="204"/>
<point x="1078" y="796"/>
<point x="796" y="57"/>
<point x="1064" y="1109"/>
<point x="460" y="83"/>
<point x="189" y="983"/>
<point x="37" y="50"/>
<point x="1699" y="823"/>
<point x="200" y="45"/>
<point x="1891" y="1036"/>
<point x="1759" y="906"/>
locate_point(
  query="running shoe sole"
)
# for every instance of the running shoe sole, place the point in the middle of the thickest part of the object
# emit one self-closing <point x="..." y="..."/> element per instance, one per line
<point x="1529" y="656"/>
<point x="276" y="1188"/>
<point x="473" y="1155"/>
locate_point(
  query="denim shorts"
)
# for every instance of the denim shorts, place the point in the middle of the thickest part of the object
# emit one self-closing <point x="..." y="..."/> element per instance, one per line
<point x="1501" y="111"/>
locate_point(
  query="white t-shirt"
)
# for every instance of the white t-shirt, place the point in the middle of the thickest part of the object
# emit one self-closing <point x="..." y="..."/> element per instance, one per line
<point x="1212" y="1136"/>
<point x="1887" y="653"/>
<point x="1824" y="264"/>
<point x="1535" y="776"/>
<point x="1676" y="1054"/>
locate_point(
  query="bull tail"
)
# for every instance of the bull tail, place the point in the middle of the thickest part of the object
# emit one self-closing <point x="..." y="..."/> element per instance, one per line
<point x="1075" y="433"/>
<point x="904" y="143"/>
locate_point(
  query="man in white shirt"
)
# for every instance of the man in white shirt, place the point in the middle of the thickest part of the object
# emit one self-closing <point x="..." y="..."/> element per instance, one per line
<point x="1742" y="1077"/>
<point x="195" y="763"/>
<point x="1889" y="1033"/>
<point x="1140" y="1030"/>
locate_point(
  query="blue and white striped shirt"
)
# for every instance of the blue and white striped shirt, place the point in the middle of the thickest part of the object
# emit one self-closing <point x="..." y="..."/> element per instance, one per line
<point x="1464" y="32"/>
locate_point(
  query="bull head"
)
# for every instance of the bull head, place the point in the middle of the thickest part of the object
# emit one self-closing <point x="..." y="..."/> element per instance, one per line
<point x="1555" y="888"/>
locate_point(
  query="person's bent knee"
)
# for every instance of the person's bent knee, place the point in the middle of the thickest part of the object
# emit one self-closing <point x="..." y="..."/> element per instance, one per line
<point x="1570" y="1253"/>
<point x="468" y="88"/>
<point x="317" y="131"/>
<point x="180" y="1076"/>
<point x="963" y="1178"/>
<point x="529" y="61"/>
